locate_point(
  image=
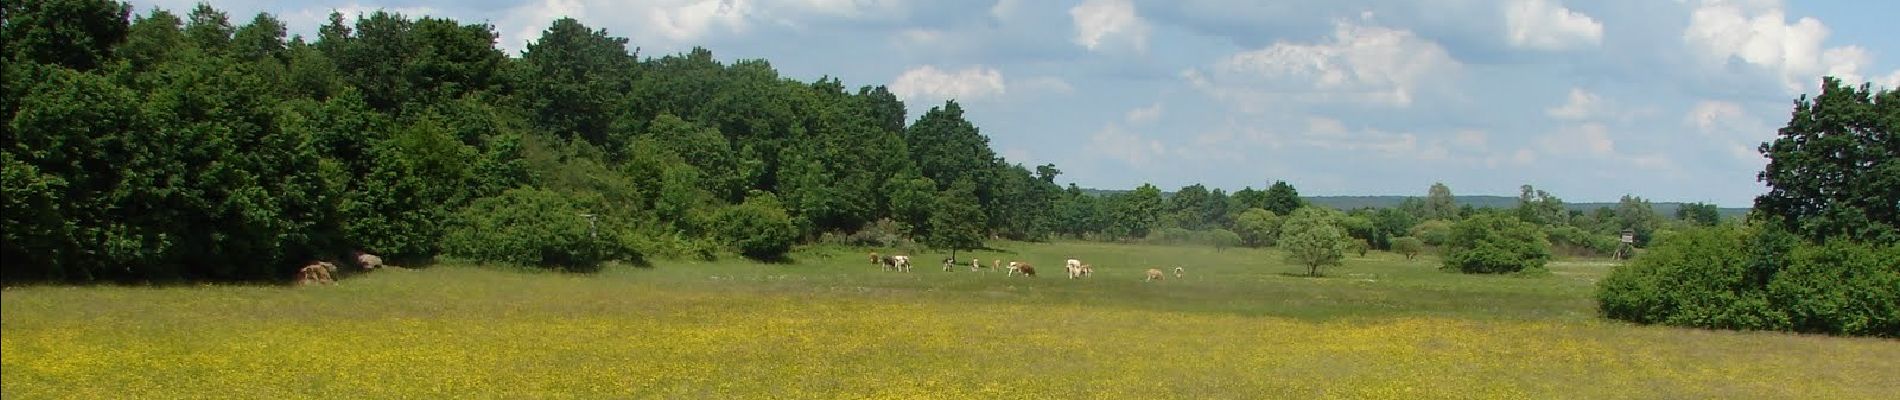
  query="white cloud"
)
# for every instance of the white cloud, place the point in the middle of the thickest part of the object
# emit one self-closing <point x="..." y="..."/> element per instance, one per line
<point x="1758" y="34"/>
<point x="1145" y="115"/>
<point x="1097" y="21"/>
<point x="928" y="82"/>
<point x="1546" y="25"/>
<point x="1713" y="117"/>
<point x="1521" y="157"/>
<point x="1892" y="81"/>
<point x="1043" y="84"/>
<point x="1128" y="147"/>
<point x="1360" y="64"/>
<point x="684" y="22"/>
<point x="1726" y="125"/>
<point x="1581" y="105"/>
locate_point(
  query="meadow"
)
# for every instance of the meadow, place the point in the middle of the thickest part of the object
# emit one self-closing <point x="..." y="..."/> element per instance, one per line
<point x="1241" y="324"/>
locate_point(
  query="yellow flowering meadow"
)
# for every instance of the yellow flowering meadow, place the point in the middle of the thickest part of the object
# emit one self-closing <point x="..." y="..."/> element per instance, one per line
<point x="833" y="329"/>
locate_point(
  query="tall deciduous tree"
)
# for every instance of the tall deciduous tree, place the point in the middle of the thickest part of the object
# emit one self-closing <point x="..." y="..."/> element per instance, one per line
<point x="957" y="223"/>
<point x="576" y="77"/>
<point x="1439" y="203"/>
<point x="77" y="34"/>
<point x="1834" y="170"/>
<point x="1282" y="199"/>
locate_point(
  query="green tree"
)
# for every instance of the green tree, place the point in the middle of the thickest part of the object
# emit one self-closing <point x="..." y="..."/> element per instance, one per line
<point x="957" y="223"/>
<point x="913" y="199"/>
<point x="1834" y="170"/>
<point x="1282" y="199"/>
<point x="1183" y="209"/>
<point x="1495" y="243"/>
<point x="1258" y="227"/>
<point x="1136" y="212"/>
<point x="1407" y="245"/>
<point x="77" y="34"/>
<point x="1635" y="213"/>
<point x="574" y="78"/>
<point x="1699" y="214"/>
<point x="947" y="148"/>
<point x="1439" y="203"/>
<point x="1314" y="239"/>
<point x="1540" y="208"/>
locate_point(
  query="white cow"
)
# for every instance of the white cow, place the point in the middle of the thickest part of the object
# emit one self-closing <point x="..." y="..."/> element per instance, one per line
<point x="902" y="263"/>
<point x="1178" y="272"/>
<point x="1075" y="268"/>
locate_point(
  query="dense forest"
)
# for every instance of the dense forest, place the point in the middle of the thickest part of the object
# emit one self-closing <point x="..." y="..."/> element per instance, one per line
<point x="168" y="147"/>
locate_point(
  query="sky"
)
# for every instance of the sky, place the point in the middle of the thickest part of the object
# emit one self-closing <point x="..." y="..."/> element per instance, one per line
<point x="1588" y="100"/>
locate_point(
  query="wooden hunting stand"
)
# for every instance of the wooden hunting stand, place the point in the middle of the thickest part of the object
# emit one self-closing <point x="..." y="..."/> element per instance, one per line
<point x="1626" y="245"/>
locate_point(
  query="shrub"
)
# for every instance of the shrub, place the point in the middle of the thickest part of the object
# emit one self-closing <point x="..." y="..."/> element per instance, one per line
<point x="1495" y="243"/>
<point x="1694" y="279"/>
<point x="1223" y="239"/>
<point x="1575" y="241"/>
<point x="1758" y="278"/>
<point x="528" y="227"/>
<point x="1360" y="246"/>
<point x="1434" y="232"/>
<point x="1407" y="245"/>
<point x="1842" y="288"/>
<point x="759" y="228"/>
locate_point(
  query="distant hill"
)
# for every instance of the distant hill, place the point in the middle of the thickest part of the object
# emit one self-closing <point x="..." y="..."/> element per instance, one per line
<point x="1478" y="201"/>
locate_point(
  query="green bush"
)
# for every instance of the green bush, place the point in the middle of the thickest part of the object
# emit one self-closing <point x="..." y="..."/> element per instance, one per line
<point x="1407" y="245"/>
<point x="528" y="227"/>
<point x="1495" y="243"/>
<point x="1758" y="278"/>
<point x="1693" y="279"/>
<point x="1434" y="232"/>
<point x="1223" y="239"/>
<point x="1842" y="288"/>
<point x="1313" y="238"/>
<point x="1576" y="241"/>
<point x="759" y="228"/>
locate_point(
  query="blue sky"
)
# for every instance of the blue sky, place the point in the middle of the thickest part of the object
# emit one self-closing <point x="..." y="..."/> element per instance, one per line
<point x="1589" y="100"/>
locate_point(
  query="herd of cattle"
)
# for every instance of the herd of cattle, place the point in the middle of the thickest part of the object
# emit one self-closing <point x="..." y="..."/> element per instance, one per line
<point x="320" y="272"/>
<point x="1076" y="269"/>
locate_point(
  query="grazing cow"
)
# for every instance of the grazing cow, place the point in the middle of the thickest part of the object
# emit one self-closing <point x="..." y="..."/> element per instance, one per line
<point x="975" y="265"/>
<point x="902" y="263"/>
<point x="949" y="263"/>
<point x="1016" y="267"/>
<point x="1178" y="272"/>
<point x="888" y="262"/>
<point x="1154" y="274"/>
<point x="875" y="260"/>
<point x="1086" y="270"/>
<point x="368" y="261"/>
<point x="996" y="264"/>
<point x="318" y="272"/>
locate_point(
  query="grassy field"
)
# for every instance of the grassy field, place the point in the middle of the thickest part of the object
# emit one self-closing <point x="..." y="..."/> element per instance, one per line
<point x="830" y="325"/>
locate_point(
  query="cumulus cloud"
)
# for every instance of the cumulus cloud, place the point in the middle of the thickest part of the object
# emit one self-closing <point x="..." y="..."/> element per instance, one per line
<point x="1726" y="125"/>
<point x="1129" y="147"/>
<point x="1759" y="34"/>
<point x="1358" y="64"/>
<point x="1145" y="115"/>
<point x="928" y="82"/>
<point x="1099" y="21"/>
<point x="1546" y="25"/>
<point x="1581" y="105"/>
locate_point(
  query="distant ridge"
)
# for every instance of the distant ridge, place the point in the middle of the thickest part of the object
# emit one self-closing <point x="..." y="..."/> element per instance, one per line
<point x="1476" y="201"/>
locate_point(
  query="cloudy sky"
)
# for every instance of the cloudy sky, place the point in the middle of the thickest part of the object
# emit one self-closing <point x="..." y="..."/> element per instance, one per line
<point x="1589" y="100"/>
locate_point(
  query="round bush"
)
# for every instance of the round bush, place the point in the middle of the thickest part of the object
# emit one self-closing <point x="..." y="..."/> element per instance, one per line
<point x="527" y="227"/>
<point x="759" y="228"/>
<point x="1493" y="243"/>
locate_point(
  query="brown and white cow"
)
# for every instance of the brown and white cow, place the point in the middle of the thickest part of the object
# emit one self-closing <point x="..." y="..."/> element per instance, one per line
<point x="316" y="273"/>
<point x="1017" y="267"/>
<point x="1178" y="272"/>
